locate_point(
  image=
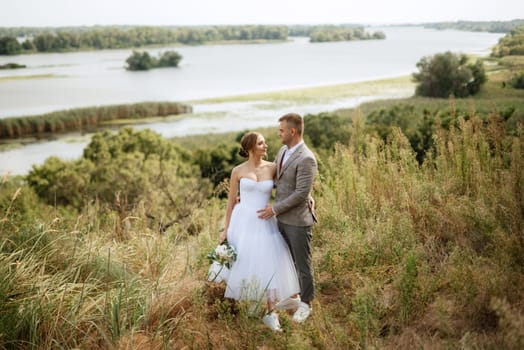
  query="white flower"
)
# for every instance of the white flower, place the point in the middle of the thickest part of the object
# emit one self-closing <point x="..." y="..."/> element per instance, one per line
<point x="224" y="254"/>
<point x="221" y="251"/>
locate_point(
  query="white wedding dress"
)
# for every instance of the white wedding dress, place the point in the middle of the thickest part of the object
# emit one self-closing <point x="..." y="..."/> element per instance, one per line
<point x="264" y="267"/>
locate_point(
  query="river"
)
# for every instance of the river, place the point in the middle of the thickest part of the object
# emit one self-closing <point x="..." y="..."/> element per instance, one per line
<point x="79" y="79"/>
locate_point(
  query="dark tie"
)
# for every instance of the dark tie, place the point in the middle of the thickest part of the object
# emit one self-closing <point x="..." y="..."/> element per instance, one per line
<point x="282" y="161"/>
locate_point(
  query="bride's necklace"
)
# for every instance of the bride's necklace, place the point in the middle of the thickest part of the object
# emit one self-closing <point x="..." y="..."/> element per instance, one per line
<point x="257" y="168"/>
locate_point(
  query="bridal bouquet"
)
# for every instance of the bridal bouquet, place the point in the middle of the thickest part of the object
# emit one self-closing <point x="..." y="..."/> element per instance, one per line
<point x="221" y="259"/>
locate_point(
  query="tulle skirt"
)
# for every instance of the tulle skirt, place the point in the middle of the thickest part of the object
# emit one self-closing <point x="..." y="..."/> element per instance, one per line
<point x="264" y="268"/>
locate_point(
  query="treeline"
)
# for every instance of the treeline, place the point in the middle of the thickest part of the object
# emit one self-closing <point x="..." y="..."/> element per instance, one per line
<point x="9" y="45"/>
<point x="57" y="40"/>
<point x="25" y="40"/>
<point x="83" y="119"/>
<point x="478" y="26"/>
<point x="344" y="34"/>
<point x="511" y="44"/>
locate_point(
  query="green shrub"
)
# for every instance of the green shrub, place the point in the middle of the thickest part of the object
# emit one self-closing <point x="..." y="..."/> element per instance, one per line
<point x="517" y="81"/>
<point x="124" y="172"/>
<point x="324" y="130"/>
<point x="447" y="74"/>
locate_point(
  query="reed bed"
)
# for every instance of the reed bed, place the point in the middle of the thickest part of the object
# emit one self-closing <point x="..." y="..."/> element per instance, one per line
<point x="84" y="119"/>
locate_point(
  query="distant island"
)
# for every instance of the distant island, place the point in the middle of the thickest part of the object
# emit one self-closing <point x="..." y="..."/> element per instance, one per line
<point x="344" y="34"/>
<point x="144" y="61"/>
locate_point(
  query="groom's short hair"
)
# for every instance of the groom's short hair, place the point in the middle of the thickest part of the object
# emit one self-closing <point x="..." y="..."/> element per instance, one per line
<point x="294" y="120"/>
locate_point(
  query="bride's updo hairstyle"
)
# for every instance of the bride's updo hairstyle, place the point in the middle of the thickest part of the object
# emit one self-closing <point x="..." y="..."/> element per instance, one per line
<point x="247" y="143"/>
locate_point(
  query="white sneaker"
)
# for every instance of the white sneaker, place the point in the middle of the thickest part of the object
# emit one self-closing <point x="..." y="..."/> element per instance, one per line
<point x="302" y="312"/>
<point x="288" y="303"/>
<point x="271" y="320"/>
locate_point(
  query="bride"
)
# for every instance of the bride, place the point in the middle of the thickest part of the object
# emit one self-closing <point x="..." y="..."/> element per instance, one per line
<point x="264" y="269"/>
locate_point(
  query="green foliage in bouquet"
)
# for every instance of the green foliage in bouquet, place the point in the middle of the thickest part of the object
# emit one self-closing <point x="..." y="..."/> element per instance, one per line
<point x="224" y="253"/>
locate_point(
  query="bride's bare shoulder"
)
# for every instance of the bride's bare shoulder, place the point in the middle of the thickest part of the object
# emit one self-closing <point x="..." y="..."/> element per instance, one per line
<point x="271" y="168"/>
<point x="240" y="168"/>
<point x="269" y="164"/>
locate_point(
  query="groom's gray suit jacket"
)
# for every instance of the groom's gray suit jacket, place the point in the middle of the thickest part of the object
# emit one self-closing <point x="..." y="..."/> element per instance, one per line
<point x="294" y="181"/>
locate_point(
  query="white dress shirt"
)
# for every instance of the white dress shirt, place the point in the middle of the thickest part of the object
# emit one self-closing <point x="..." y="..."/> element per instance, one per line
<point x="289" y="152"/>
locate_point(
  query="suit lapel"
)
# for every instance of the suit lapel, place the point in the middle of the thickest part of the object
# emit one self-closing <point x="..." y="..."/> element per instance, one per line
<point x="280" y="157"/>
<point x="291" y="159"/>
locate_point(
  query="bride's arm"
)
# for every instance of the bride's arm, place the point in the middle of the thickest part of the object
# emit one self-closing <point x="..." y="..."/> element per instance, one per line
<point x="273" y="169"/>
<point x="231" y="201"/>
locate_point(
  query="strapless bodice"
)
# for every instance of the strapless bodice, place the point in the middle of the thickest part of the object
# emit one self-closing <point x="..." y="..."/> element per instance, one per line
<point x="255" y="194"/>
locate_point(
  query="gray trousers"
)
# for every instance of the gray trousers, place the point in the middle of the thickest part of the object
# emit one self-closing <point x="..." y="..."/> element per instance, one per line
<point x="298" y="239"/>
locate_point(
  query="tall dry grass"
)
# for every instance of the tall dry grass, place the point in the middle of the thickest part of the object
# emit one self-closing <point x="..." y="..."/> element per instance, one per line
<point x="425" y="252"/>
<point x="73" y="281"/>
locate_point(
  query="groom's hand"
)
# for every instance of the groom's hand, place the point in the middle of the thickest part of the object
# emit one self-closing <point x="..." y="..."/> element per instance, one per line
<point x="266" y="213"/>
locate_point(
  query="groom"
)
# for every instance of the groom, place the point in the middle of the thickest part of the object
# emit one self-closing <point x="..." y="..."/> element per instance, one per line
<point x="296" y="170"/>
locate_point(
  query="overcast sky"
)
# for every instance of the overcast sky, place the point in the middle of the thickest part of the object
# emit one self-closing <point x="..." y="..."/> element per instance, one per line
<point x="194" y="12"/>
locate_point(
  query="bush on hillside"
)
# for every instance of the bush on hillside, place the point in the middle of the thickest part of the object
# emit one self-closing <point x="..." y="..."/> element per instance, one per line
<point x="417" y="128"/>
<point x="517" y="81"/>
<point x="124" y="172"/>
<point x="447" y="74"/>
<point x="216" y="163"/>
<point x="324" y="130"/>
